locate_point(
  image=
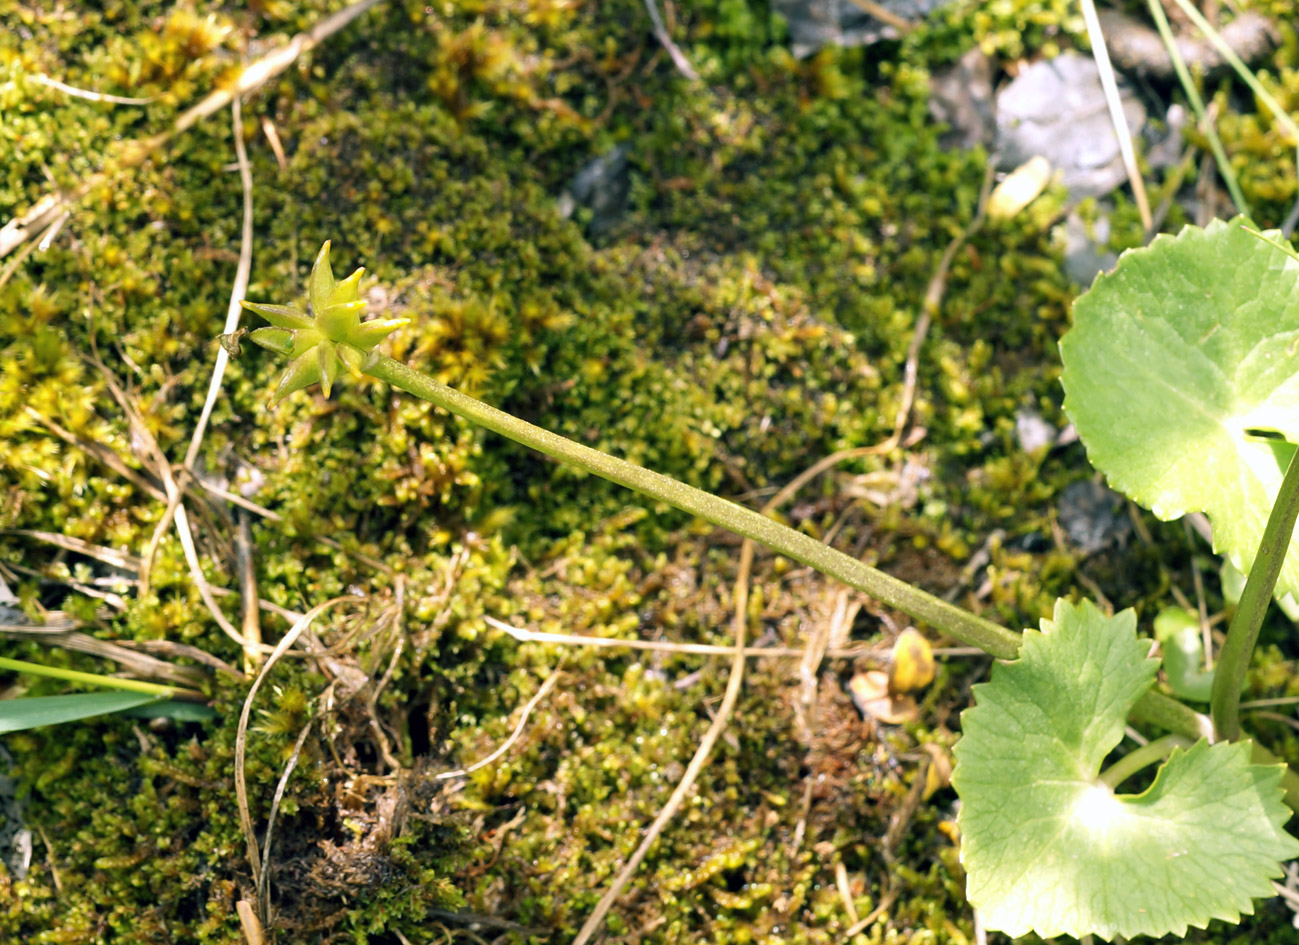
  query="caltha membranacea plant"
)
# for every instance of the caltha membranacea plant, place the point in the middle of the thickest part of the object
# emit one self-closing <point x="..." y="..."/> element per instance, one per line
<point x="1047" y="842"/>
<point x="330" y="339"/>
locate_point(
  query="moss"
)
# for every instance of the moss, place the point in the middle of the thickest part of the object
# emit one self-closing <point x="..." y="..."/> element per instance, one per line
<point x="751" y="313"/>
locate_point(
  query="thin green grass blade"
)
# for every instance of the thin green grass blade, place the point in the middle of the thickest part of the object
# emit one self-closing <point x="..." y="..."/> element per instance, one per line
<point x="1197" y="105"/>
<point x="108" y="682"/>
<point x="1246" y="74"/>
<point x="174" y="709"/>
<point x="17" y="715"/>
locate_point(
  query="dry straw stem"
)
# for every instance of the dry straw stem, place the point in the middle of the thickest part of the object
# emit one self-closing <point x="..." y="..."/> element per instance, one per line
<point x="665" y="38"/>
<point x="733" y="686"/>
<point x="399" y="632"/>
<point x="505" y="746"/>
<point x="241" y="734"/>
<point x="176" y="496"/>
<point x="87" y="95"/>
<point x="140" y="433"/>
<point x="138" y="664"/>
<point x="1110" y="85"/>
<point x="264" y="882"/>
<point x="664" y="646"/>
<point x="47" y="210"/>
<point x="930" y="306"/>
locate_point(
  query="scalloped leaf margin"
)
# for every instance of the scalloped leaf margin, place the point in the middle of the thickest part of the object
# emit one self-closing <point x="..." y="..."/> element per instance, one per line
<point x="1179" y="367"/>
<point x="1049" y="848"/>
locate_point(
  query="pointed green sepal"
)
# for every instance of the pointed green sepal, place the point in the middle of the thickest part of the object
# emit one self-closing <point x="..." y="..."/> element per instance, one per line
<point x="279" y="340"/>
<point x="281" y="316"/>
<point x="322" y="281"/>
<point x="368" y="334"/>
<point x="303" y="371"/>
<point x="352" y="358"/>
<point x="349" y="290"/>
<point x="328" y="367"/>
<point x="305" y="340"/>
<point x="338" y="321"/>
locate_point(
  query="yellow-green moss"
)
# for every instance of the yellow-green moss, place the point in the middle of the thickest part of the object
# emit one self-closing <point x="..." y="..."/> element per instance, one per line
<point x="750" y="314"/>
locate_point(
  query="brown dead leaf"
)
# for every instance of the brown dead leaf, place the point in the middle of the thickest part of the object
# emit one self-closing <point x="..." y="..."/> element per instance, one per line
<point x="870" y="693"/>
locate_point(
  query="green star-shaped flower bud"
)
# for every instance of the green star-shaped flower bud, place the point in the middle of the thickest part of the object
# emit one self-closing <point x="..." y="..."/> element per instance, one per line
<point x="332" y="338"/>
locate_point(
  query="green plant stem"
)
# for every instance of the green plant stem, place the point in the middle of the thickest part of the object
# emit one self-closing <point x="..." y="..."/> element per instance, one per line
<point x="1161" y="711"/>
<point x="1154" y="708"/>
<point x="1242" y="633"/>
<point x="108" y="682"/>
<point x="1142" y="757"/>
<point x="1197" y="105"/>
<point x="948" y="618"/>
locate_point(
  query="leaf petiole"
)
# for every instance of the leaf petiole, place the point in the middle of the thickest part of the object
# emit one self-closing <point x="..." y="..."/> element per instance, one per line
<point x="1142" y="757"/>
<point x="1242" y="633"/>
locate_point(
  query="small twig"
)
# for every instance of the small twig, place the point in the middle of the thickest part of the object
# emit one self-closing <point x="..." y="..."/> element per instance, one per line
<point x="661" y="34"/>
<point x="140" y="432"/>
<point x="399" y="629"/>
<point x="139" y="664"/>
<point x="237" y="291"/>
<point x="1201" y="608"/>
<point x="886" y="902"/>
<point x="929" y="309"/>
<point x="845" y="892"/>
<point x="49" y="860"/>
<point x="505" y="746"/>
<point x="885" y="15"/>
<point x="175" y="497"/>
<point x="273" y="137"/>
<point x="90" y="96"/>
<point x="900" y="820"/>
<point x="247" y="569"/>
<point x="664" y="646"/>
<point x="110" y="556"/>
<point x="733" y="685"/>
<point x="248" y="921"/>
<point x="1277" y="717"/>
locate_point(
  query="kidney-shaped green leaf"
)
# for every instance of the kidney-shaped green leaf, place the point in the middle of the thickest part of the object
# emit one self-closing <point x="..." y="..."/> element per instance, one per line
<point x="1180" y="366"/>
<point x="19" y="714"/>
<point x="1048" y="847"/>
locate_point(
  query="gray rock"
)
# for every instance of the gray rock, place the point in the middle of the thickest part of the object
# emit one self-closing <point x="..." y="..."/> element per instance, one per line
<point x="816" y="23"/>
<point x="1057" y="109"/>
<point x="1032" y="432"/>
<point x="601" y="186"/>
<point x="1093" y="517"/>
<point x="961" y="97"/>
<point x="1085" y="251"/>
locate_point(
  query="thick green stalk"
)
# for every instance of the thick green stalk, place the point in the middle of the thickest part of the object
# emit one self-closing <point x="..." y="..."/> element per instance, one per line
<point x="938" y="613"/>
<point x="1242" y="633"/>
<point x="1153" y="708"/>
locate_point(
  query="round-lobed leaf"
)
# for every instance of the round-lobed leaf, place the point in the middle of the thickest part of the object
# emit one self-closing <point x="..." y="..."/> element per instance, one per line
<point x="1181" y="375"/>
<point x="1049" y="847"/>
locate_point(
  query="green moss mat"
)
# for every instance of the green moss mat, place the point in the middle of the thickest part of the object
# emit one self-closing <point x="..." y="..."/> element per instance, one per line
<point x="749" y="314"/>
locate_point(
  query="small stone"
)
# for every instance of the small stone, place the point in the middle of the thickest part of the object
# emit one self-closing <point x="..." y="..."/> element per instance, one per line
<point x="1032" y="432"/>
<point x="1093" y="517"/>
